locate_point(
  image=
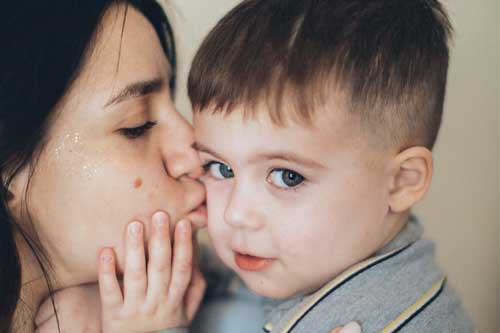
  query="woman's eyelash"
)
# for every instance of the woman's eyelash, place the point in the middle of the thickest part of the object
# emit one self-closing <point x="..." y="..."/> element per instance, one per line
<point x="135" y="132"/>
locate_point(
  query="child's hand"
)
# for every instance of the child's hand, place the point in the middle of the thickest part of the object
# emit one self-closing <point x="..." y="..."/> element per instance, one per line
<point x="164" y="293"/>
<point x="78" y="310"/>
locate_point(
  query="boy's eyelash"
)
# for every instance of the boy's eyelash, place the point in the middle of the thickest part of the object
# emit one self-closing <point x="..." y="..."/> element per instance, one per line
<point x="294" y="188"/>
<point x="206" y="165"/>
<point x="135" y="132"/>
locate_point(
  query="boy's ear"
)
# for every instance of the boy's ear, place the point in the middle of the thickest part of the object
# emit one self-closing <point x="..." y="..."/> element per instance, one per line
<point x="411" y="179"/>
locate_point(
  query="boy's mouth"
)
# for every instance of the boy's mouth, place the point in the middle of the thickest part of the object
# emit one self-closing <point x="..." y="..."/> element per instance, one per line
<point x="250" y="263"/>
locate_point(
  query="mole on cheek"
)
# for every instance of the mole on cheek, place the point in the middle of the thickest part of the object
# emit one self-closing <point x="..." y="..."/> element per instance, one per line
<point x="138" y="183"/>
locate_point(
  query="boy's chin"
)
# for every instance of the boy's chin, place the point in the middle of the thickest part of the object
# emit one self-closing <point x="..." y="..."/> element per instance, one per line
<point x="274" y="291"/>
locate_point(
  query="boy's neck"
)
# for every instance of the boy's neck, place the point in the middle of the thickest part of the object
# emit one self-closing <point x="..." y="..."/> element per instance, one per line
<point x="397" y="222"/>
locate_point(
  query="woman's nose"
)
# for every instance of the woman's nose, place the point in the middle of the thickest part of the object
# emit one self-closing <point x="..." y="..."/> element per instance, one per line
<point x="181" y="158"/>
<point x="184" y="162"/>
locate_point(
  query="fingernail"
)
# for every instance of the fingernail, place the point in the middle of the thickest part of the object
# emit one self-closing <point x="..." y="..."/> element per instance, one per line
<point x="352" y="327"/>
<point x="160" y="219"/>
<point x="183" y="226"/>
<point x="106" y="258"/>
<point x="135" y="229"/>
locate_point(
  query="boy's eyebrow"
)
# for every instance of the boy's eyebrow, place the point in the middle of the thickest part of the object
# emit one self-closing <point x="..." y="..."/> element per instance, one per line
<point x="288" y="156"/>
<point x="201" y="147"/>
<point x="278" y="155"/>
<point x="136" y="89"/>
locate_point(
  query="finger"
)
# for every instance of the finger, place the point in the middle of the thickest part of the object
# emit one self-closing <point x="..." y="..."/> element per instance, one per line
<point x="195" y="294"/>
<point x="160" y="257"/>
<point x="134" y="279"/>
<point x="182" y="265"/>
<point x="109" y="288"/>
<point x="336" y="330"/>
<point x="352" y="327"/>
<point x="196" y="289"/>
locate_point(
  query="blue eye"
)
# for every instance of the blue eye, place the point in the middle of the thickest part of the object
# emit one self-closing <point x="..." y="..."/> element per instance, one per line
<point x="219" y="170"/>
<point x="285" y="178"/>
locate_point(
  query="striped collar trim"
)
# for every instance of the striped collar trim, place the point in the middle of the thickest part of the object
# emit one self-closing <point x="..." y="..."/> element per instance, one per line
<point x="416" y="307"/>
<point x="330" y="287"/>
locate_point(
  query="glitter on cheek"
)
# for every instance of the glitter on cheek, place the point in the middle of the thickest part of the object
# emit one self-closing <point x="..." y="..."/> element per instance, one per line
<point x="72" y="154"/>
<point x="68" y="143"/>
<point x="89" y="171"/>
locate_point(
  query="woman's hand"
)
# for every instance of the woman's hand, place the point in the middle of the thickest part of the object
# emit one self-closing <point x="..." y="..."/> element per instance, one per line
<point x="352" y="327"/>
<point x="163" y="293"/>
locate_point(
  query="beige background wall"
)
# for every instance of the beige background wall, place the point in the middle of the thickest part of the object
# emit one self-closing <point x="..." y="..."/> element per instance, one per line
<point x="461" y="210"/>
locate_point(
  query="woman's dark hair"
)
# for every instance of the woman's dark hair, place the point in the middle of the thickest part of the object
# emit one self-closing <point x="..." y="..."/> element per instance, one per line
<point x="44" y="43"/>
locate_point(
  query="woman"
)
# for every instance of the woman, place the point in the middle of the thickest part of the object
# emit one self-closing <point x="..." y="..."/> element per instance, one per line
<point x="89" y="140"/>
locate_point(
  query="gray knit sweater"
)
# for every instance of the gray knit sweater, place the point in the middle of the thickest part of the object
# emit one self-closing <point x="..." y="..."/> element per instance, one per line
<point x="399" y="289"/>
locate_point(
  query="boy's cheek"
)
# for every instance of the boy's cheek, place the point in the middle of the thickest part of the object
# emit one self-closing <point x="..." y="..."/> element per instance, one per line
<point x="216" y="203"/>
<point x="215" y="220"/>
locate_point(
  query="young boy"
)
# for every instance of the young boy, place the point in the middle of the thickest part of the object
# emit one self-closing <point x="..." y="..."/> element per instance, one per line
<point x="315" y="120"/>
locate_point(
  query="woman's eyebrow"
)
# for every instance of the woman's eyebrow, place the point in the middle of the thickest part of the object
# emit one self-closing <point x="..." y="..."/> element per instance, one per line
<point x="136" y="89"/>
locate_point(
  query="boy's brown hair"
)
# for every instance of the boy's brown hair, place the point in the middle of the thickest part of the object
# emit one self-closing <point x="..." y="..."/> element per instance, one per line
<point x="388" y="59"/>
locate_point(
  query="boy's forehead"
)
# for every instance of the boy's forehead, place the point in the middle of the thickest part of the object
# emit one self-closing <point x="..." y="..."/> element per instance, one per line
<point x="257" y="133"/>
<point x="329" y="113"/>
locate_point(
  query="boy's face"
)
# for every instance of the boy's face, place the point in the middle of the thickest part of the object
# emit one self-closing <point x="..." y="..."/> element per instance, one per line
<point x="289" y="208"/>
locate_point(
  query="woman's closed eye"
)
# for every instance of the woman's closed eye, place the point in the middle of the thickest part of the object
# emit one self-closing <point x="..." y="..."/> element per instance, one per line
<point x="285" y="178"/>
<point x="218" y="170"/>
<point x="136" y="132"/>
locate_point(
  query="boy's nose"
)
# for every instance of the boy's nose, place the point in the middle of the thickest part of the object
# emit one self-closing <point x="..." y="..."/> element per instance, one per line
<point x="241" y="213"/>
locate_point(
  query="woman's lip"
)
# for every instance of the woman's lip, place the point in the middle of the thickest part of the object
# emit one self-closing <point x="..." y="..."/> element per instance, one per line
<point x="198" y="216"/>
<point x="251" y="263"/>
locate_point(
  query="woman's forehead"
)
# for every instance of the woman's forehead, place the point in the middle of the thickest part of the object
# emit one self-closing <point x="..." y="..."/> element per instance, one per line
<point x="126" y="50"/>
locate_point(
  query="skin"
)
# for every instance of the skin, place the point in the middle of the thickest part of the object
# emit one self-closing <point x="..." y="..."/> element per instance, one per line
<point x="86" y="154"/>
<point x="93" y="176"/>
<point x="354" y="198"/>
<point x="408" y="176"/>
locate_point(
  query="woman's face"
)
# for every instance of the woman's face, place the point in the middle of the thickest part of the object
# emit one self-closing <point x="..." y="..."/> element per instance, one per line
<point x="117" y="151"/>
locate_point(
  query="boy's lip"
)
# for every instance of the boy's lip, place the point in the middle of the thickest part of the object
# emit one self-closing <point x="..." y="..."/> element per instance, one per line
<point x="251" y="263"/>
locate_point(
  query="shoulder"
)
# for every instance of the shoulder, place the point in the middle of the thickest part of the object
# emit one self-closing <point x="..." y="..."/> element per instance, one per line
<point x="379" y="291"/>
<point x="445" y="314"/>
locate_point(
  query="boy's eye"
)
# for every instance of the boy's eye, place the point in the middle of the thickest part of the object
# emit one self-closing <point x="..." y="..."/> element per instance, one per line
<point x="285" y="178"/>
<point x="135" y="132"/>
<point x="219" y="170"/>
